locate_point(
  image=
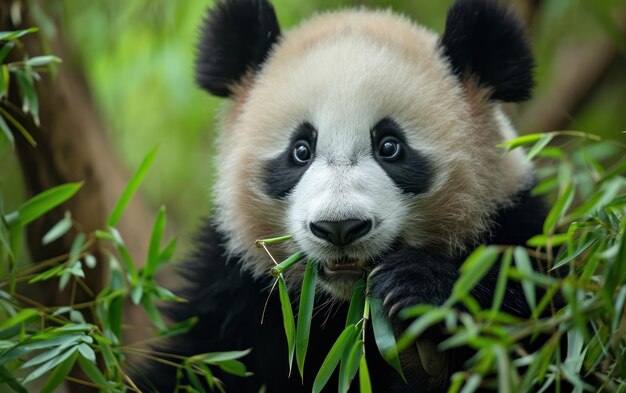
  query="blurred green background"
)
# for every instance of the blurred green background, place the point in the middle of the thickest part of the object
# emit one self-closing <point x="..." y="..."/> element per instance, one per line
<point x="137" y="56"/>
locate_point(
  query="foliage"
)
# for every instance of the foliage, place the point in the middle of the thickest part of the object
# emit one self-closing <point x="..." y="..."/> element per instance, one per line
<point x="49" y="341"/>
<point x="580" y="313"/>
<point x="581" y="280"/>
<point x="24" y="73"/>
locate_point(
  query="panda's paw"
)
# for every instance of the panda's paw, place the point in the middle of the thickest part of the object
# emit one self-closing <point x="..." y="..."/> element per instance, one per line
<point x="409" y="277"/>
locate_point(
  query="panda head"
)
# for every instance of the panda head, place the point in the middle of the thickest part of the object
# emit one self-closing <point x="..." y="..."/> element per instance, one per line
<point x="359" y="131"/>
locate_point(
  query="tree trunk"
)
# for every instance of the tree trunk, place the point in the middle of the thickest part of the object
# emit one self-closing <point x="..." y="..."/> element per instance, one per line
<point x="72" y="146"/>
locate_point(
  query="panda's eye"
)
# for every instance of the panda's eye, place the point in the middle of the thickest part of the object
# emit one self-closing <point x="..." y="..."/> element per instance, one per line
<point x="389" y="149"/>
<point x="301" y="153"/>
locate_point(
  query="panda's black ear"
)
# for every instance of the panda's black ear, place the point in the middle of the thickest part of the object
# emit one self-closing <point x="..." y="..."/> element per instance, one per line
<point x="486" y="41"/>
<point x="236" y="36"/>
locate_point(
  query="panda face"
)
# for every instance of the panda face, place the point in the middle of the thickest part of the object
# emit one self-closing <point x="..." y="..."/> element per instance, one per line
<point x="356" y="136"/>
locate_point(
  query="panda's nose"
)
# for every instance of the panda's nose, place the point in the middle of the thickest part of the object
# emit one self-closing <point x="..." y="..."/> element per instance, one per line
<point x="342" y="232"/>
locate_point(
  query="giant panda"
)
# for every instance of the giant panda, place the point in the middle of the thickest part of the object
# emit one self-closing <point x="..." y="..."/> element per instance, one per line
<point x="373" y="142"/>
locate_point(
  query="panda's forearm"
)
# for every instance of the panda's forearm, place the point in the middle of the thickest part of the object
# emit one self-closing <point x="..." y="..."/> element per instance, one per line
<point x="411" y="276"/>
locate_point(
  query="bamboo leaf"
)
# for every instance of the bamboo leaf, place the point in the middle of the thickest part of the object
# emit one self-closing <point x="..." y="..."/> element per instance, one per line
<point x="305" y="314"/>
<point x="539" y="145"/>
<point x="348" y="372"/>
<point x="521" y="141"/>
<point x="8" y="378"/>
<point x="58" y="375"/>
<point x="333" y="357"/>
<point x="131" y="188"/>
<point x="15" y="324"/>
<point x="234" y="367"/>
<point x="365" y="384"/>
<point x="93" y="372"/>
<point x="473" y="270"/>
<point x="6" y="130"/>
<point x="13" y="35"/>
<point x="384" y="336"/>
<point x="559" y="209"/>
<point x="50" y="365"/>
<point x="155" y="243"/>
<point x="288" y="321"/>
<point x="39" y="61"/>
<point x="217" y="357"/>
<point x="42" y="203"/>
<point x="522" y="262"/>
<point x="58" y="230"/>
<point x="357" y="304"/>
<point x="420" y="325"/>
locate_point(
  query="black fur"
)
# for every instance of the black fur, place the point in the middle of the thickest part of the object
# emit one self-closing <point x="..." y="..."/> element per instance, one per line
<point x="282" y="173"/>
<point x="229" y="304"/>
<point x="237" y="35"/>
<point x="485" y="40"/>
<point x="411" y="171"/>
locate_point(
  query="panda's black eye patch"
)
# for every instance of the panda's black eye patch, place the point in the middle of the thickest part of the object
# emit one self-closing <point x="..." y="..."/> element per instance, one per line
<point x="301" y="152"/>
<point x="407" y="167"/>
<point x="389" y="149"/>
<point x="285" y="170"/>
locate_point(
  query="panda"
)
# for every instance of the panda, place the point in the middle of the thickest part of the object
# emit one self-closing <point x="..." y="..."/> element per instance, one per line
<point x="373" y="142"/>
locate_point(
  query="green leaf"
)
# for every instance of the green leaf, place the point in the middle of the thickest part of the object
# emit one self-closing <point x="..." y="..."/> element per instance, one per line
<point x="155" y="243"/>
<point x="47" y="355"/>
<point x="131" y="188"/>
<point x="30" y="102"/>
<point x="543" y="240"/>
<point x="193" y="378"/>
<point x="42" y="203"/>
<point x="39" y="61"/>
<point x="384" y="336"/>
<point x="15" y="324"/>
<point x="521" y="141"/>
<point x="6" y="130"/>
<point x="473" y="270"/>
<point x="234" y="367"/>
<point x="573" y="254"/>
<point x="333" y="357"/>
<point x="90" y="261"/>
<point x="18" y="126"/>
<point x="13" y="35"/>
<point x="288" y="321"/>
<point x="357" y="304"/>
<point x="305" y="314"/>
<point x="8" y="378"/>
<point x="522" y="262"/>
<point x="4" y="77"/>
<point x="86" y="352"/>
<point x="420" y="325"/>
<point x="58" y="230"/>
<point x="559" y="209"/>
<point x="93" y="372"/>
<point x="365" y="384"/>
<point x="168" y="252"/>
<point x="180" y="327"/>
<point x="4" y="51"/>
<point x="348" y="372"/>
<point x="217" y="357"/>
<point x="541" y="143"/>
<point x="50" y="364"/>
<point x="501" y="284"/>
<point x="153" y="313"/>
<point x="58" y="375"/>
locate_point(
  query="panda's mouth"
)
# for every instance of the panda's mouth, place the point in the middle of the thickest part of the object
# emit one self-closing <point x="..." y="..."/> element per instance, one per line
<point x="344" y="265"/>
